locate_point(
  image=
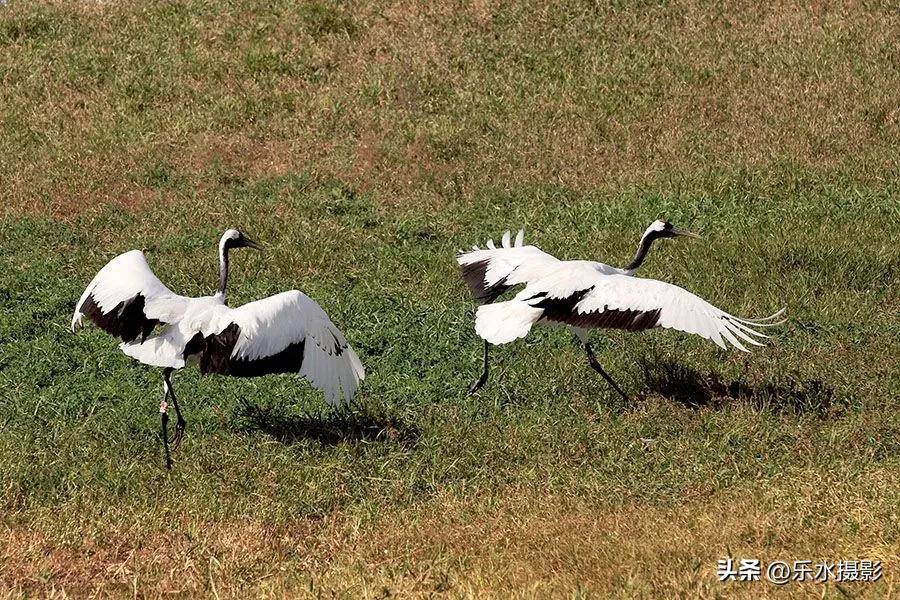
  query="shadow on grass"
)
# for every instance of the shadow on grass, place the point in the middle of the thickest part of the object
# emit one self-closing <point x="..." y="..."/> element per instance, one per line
<point x="691" y="388"/>
<point x="330" y="428"/>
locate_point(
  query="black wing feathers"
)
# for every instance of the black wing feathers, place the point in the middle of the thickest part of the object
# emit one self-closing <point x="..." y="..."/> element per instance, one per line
<point x="474" y="275"/>
<point x="213" y="353"/>
<point x="126" y="320"/>
<point x="562" y="310"/>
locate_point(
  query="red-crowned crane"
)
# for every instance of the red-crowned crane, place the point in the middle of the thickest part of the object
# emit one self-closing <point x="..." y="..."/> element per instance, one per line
<point x="284" y="333"/>
<point x="585" y="295"/>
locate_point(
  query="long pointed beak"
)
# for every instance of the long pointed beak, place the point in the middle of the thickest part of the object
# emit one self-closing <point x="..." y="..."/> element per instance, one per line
<point x="685" y="233"/>
<point x="251" y="244"/>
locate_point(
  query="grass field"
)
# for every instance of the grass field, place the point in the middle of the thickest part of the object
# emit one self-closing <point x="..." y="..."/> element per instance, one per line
<point x="363" y="144"/>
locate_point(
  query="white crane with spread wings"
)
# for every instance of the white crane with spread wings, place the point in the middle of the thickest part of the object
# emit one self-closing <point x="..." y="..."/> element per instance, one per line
<point x="585" y="295"/>
<point x="284" y="333"/>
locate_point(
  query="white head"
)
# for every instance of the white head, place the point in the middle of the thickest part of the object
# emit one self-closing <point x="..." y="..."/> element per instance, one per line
<point x="232" y="238"/>
<point x="658" y="229"/>
<point x="664" y="229"/>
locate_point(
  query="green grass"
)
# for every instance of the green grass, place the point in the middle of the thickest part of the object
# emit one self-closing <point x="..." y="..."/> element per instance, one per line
<point x="363" y="149"/>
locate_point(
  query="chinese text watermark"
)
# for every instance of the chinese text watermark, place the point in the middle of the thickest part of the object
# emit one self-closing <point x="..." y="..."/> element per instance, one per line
<point x="780" y="572"/>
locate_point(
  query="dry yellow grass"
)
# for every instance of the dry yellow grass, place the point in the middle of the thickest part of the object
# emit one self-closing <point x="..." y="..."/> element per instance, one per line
<point x="536" y="541"/>
<point x="429" y="103"/>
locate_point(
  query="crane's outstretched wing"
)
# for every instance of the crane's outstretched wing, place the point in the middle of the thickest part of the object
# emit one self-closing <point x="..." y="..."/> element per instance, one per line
<point x="127" y="300"/>
<point x="616" y="301"/>
<point x="492" y="271"/>
<point x="632" y="303"/>
<point x="285" y="333"/>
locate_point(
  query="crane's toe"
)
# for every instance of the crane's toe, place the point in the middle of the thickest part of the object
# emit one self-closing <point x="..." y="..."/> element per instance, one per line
<point x="179" y="434"/>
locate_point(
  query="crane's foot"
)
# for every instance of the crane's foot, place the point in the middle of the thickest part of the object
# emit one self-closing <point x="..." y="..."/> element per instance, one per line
<point x="164" y="433"/>
<point x="478" y="384"/>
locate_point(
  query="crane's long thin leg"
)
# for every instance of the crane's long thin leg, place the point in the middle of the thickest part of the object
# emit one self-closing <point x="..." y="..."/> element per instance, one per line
<point x="164" y="433"/>
<point x="180" y="423"/>
<point x="484" y="374"/>
<point x="599" y="368"/>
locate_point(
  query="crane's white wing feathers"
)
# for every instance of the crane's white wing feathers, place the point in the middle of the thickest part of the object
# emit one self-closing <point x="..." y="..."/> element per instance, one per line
<point x="585" y="295"/>
<point x="284" y="333"/>
<point x="677" y="308"/>
<point x="492" y="271"/>
<point x="281" y="324"/>
<point x="127" y="300"/>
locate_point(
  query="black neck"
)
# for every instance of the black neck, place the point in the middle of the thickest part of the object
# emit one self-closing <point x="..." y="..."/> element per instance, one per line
<point x="643" y="249"/>
<point x="223" y="271"/>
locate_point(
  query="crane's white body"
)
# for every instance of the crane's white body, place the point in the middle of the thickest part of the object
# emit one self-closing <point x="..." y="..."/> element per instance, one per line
<point x="584" y="295"/>
<point x="267" y="328"/>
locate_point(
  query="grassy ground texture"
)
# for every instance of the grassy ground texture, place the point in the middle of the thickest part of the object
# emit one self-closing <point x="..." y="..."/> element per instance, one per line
<point x="363" y="144"/>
